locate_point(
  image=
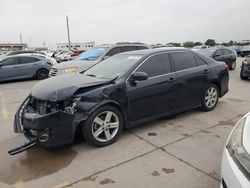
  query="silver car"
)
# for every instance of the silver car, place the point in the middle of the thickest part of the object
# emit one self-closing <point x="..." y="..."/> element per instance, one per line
<point x="93" y="56"/>
<point x="25" y="66"/>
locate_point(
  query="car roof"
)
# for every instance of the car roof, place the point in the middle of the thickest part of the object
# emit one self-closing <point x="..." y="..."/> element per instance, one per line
<point x="27" y="55"/>
<point x="155" y="50"/>
<point x="123" y="44"/>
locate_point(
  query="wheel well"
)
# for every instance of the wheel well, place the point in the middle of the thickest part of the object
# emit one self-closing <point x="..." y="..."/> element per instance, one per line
<point x="218" y="85"/>
<point x="118" y="107"/>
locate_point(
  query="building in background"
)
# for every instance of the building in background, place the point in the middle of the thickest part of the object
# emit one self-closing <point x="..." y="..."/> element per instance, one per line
<point x="13" y="46"/>
<point x="75" y="46"/>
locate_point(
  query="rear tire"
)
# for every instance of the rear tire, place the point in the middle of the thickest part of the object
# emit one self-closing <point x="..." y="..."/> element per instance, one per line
<point x="42" y="74"/>
<point x="210" y="98"/>
<point x="103" y="126"/>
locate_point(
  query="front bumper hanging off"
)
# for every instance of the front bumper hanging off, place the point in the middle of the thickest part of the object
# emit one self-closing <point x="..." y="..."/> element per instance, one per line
<point x="50" y="130"/>
<point x="23" y="147"/>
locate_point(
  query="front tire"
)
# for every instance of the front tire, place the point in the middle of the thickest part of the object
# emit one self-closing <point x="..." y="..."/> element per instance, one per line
<point x="210" y="98"/>
<point x="103" y="126"/>
<point x="241" y="75"/>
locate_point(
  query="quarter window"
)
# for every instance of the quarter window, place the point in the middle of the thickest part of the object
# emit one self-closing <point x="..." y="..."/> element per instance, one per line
<point x="183" y="60"/>
<point x="156" y="65"/>
<point x="199" y="61"/>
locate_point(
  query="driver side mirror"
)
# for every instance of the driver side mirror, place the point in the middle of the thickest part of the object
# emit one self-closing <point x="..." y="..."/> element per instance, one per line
<point x="139" y="76"/>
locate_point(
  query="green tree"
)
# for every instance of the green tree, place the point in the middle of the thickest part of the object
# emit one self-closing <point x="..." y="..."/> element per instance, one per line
<point x="188" y="44"/>
<point x="210" y="42"/>
<point x="197" y="44"/>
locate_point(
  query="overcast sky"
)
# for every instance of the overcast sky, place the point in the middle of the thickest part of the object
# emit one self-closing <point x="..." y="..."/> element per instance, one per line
<point x="108" y="21"/>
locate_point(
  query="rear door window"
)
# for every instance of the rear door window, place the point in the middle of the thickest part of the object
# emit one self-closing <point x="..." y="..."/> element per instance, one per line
<point x="24" y="60"/>
<point x="227" y="52"/>
<point x="183" y="60"/>
<point x="218" y="53"/>
<point x="129" y="48"/>
<point x="142" y="47"/>
<point x="114" y="51"/>
<point x="156" y="65"/>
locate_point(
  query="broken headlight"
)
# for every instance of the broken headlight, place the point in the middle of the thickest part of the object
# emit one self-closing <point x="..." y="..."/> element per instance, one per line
<point x="236" y="149"/>
<point x="70" y="109"/>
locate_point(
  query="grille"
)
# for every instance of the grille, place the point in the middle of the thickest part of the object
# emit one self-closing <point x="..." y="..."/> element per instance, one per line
<point x="53" y="72"/>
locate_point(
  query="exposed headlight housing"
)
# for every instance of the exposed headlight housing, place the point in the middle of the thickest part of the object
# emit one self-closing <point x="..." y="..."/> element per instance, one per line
<point x="69" y="70"/>
<point x="70" y="109"/>
<point x="237" y="150"/>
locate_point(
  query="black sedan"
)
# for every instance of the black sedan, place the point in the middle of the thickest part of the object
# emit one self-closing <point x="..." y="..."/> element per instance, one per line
<point x="222" y="54"/>
<point x="120" y="92"/>
<point x="245" y="69"/>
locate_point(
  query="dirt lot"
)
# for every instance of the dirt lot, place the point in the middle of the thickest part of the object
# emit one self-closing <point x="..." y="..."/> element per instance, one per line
<point x="181" y="151"/>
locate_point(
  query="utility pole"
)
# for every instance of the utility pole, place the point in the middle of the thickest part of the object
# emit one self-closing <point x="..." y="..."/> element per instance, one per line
<point x="68" y="32"/>
<point x="21" y="39"/>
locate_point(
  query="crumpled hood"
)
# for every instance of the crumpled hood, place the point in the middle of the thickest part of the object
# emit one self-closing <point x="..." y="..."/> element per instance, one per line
<point x="82" y="64"/>
<point x="62" y="87"/>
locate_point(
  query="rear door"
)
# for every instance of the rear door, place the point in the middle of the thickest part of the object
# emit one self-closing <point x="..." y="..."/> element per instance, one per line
<point x="192" y="75"/>
<point x="158" y="93"/>
<point x="28" y="66"/>
<point x="9" y="68"/>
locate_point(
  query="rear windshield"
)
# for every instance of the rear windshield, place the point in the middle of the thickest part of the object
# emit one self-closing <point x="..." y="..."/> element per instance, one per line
<point x="207" y="53"/>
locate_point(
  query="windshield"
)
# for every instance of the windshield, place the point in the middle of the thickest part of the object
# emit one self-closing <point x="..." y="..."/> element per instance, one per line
<point x="114" y="66"/>
<point x="92" y="54"/>
<point x="207" y="53"/>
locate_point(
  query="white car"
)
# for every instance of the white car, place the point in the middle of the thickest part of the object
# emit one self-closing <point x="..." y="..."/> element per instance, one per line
<point x="197" y="48"/>
<point x="235" y="167"/>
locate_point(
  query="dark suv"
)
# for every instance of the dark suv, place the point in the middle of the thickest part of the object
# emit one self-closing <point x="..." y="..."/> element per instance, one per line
<point x="245" y="69"/>
<point x="221" y="54"/>
<point x="94" y="56"/>
<point x="120" y="92"/>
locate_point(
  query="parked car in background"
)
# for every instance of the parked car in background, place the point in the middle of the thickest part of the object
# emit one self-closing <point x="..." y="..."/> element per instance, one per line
<point x="245" y="51"/>
<point x="94" y="56"/>
<point x="221" y="54"/>
<point x="245" y="69"/>
<point x="120" y="92"/>
<point x="196" y="48"/>
<point x="65" y="56"/>
<point x="21" y="52"/>
<point x="235" y="166"/>
<point x="25" y="66"/>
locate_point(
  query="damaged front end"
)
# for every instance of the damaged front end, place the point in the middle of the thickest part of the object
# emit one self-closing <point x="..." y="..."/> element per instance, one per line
<point x="46" y="123"/>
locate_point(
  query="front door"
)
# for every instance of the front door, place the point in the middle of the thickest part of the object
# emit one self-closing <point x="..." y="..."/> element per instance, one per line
<point x="157" y="94"/>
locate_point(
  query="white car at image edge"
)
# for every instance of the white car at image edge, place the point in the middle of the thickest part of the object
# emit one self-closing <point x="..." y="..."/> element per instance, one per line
<point x="235" y="166"/>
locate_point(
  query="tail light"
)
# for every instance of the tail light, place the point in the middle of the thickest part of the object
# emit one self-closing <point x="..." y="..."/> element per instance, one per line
<point x="226" y="67"/>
